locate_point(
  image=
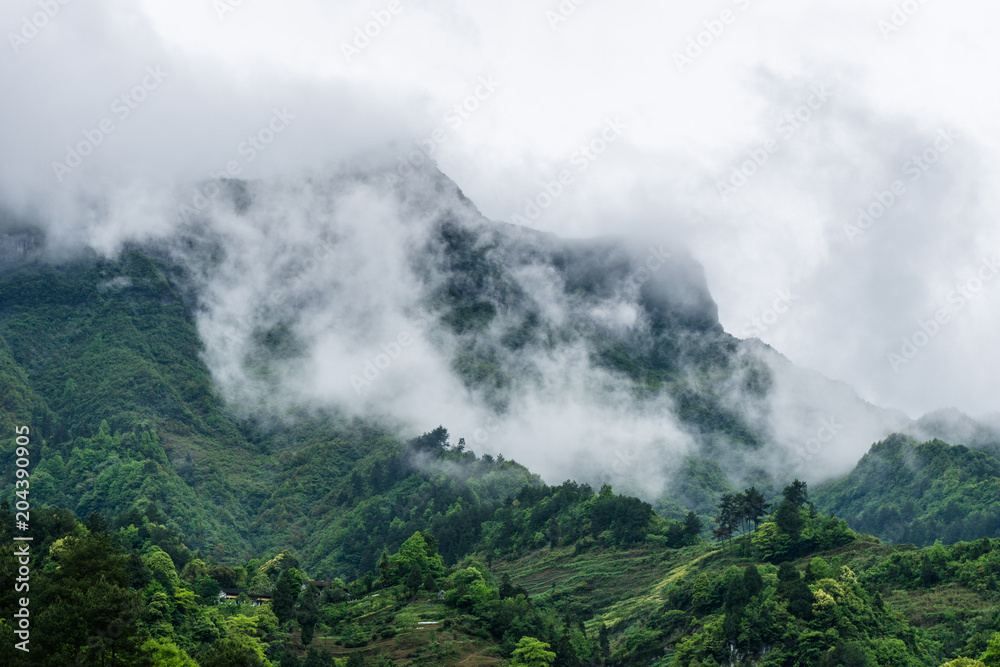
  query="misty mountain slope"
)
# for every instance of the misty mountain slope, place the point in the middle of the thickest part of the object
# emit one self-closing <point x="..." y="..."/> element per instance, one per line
<point x="137" y="426"/>
<point x="360" y="295"/>
<point x="953" y="426"/>
<point x="905" y="491"/>
<point x="394" y="299"/>
<point x="110" y="349"/>
<point x="20" y="405"/>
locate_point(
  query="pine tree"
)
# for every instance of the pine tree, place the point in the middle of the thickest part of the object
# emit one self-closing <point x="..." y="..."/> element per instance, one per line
<point x="796" y="493"/>
<point x="752" y="580"/>
<point x="283" y="598"/>
<point x="308" y="613"/>
<point x="728" y="517"/>
<point x="789" y="520"/>
<point x="604" y="642"/>
<point x="692" y="528"/>
<point x="755" y="505"/>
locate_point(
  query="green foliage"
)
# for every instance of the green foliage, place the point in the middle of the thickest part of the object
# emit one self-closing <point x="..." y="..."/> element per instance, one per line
<point x="991" y="657"/>
<point x="102" y="358"/>
<point x="532" y="653"/>
<point x="284" y="596"/>
<point x="903" y="491"/>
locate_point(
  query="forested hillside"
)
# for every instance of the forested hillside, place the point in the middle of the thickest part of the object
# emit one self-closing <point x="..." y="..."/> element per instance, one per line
<point x="905" y="491"/>
<point x="559" y="576"/>
<point x="152" y="493"/>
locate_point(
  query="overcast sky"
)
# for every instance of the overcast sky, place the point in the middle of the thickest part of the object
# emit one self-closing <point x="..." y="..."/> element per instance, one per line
<point x="804" y="112"/>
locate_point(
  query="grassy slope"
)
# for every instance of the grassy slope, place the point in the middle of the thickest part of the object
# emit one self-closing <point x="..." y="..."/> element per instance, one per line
<point x="625" y="588"/>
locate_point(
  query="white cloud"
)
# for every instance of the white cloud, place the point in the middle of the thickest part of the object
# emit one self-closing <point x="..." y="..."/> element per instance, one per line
<point x="686" y="130"/>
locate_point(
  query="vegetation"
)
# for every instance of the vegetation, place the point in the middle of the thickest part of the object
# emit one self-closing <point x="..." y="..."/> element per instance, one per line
<point x="340" y="545"/>
<point x="904" y="491"/>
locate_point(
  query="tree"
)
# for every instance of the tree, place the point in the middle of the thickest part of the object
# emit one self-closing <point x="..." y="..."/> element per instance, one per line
<point x="728" y="517"/>
<point x="735" y="598"/>
<point x="789" y="520"/>
<point x="283" y="598"/>
<point x="234" y="650"/>
<point x="692" y="528"/>
<point x="991" y="658"/>
<point x="800" y="600"/>
<point x="755" y="506"/>
<point x="796" y="493"/>
<point x="565" y="653"/>
<point x="162" y="568"/>
<point x="845" y="655"/>
<point x="752" y="580"/>
<point x="308" y="613"/>
<point x="414" y="579"/>
<point x="317" y="658"/>
<point x="702" y="592"/>
<point x="164" y="653"/>
<point x="818" y="569"/>
<point x="96" y="523"/>
<point x="553" y="533"/>
<point x="87" y="609"/>
<point x="787" y="576"/>
<point x="383" y="568"/>
<point x="532" y="653"/>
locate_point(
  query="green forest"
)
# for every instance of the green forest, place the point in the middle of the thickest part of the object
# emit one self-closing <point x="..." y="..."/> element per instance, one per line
<point x="169" y="530"/>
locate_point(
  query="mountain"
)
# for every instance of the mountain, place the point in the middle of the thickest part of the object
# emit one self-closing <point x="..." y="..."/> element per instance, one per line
<point x="951" y="425"/>
<point x="255" y="390"/>
<point x="905" y="491"/>
<point x="268" y="323"/>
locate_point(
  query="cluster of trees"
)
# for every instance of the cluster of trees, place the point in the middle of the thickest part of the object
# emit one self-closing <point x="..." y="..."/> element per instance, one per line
<point x="739" y="512"/>
<point x="903" y="491"/>
<point x="816" y="613"/>
<point x="792" y="529"/>
<point x="117" y="598"/>
<point x="526" y="633"/>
